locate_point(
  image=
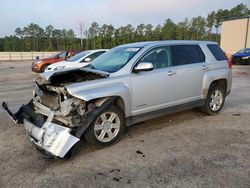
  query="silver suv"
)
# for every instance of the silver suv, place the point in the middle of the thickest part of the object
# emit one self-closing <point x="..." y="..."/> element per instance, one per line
<point x="129" y="84"/>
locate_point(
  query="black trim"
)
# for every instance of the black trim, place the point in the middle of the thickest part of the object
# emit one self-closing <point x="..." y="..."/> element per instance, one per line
<point x="169" y="110"/>
<point x="25" y="111"/>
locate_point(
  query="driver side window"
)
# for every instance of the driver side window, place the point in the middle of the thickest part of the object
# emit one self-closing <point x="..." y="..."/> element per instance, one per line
<point x="160" y="57"/>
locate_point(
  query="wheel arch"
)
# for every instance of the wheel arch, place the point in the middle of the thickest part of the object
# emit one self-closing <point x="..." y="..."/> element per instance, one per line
<point x="215" y="77"/>
<point x="220" y="82"/>
<point x="118" y="101"/>
<point x="101" y="94"/>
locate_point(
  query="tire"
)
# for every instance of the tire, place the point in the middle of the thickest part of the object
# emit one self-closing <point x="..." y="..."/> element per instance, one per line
<point x="104" y="131"/>
<point x="219" y="94"/>
<point x="45" y="154"/>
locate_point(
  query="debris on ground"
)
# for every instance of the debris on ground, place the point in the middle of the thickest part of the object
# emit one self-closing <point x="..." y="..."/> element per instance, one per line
<point x="236" y="114"/>
<point x="140" y="153"/>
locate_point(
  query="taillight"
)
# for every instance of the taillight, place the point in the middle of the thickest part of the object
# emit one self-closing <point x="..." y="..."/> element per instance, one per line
<point x="229" y="63"/>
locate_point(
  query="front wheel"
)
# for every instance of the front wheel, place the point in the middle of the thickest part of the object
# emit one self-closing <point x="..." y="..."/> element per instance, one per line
<point x="44" y="68"/>
<point x="215" y="100"/>
<point x="107" y="128"/>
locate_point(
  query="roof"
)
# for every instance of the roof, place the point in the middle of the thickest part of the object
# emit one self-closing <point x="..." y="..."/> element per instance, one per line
<point x="236" y="18"/>
<point x="165" y="42"/>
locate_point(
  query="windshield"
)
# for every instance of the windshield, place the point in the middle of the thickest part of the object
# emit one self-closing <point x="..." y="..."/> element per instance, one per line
<point x="114" y="59"/>
<point x="78" y="56"/>
<point x="246" y="50"/>
<point x="56" y="55"/>
<point x="62" y="54"/>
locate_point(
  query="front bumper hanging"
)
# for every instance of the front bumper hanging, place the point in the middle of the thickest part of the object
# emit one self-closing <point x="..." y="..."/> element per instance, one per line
<point x="51" y="137"/>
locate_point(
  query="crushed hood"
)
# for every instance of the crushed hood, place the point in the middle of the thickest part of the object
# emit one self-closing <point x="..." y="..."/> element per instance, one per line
<point x="69" y="76"/>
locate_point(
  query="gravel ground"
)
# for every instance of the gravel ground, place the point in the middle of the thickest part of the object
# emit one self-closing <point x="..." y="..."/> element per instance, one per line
<point x="187" y="149"/>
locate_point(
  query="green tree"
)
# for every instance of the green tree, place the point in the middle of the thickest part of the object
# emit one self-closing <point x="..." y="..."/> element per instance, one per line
<point x="139" y="32"/>
<point x="35" y="33"/>
<point x="168" y="30"/>
<point x="57" y="36"/>
<point x="239" y="10"/>
<point x="106" y="33"/>
<point x="19" y="32"/>
<point x="93" y="33"/>
<point x="218" y="21"/>
<point x="210" y="23"/>
<point x="71" y="39"/>
<point x="2" y="44"/>
<point x="157" y="33"/>
<point x="149" y="32"/>
<point x="48" y="32"/>
<point x="182" y="30"/>
<point x="198" y="25"/>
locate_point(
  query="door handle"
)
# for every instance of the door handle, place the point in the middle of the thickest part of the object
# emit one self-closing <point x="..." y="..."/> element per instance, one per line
<point x="204" y="67"/>
<point x="170" y="73"/>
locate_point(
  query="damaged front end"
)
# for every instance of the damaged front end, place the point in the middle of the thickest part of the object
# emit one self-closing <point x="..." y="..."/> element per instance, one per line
<point x="53" y="119"/>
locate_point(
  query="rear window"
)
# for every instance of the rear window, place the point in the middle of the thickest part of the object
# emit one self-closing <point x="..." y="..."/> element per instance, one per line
<point x="186" y="54"/>
<point x="218" y="54"/>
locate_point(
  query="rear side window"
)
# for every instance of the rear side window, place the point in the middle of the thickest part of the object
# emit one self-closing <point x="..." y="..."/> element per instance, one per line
<point x="218" y="54"/>
<point x="186" y="54"/>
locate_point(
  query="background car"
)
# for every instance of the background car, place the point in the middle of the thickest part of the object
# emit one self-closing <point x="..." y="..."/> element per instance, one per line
<point x="41" y="64"/>
<point x="79" y="60"/>
<point x="241" y="57"/>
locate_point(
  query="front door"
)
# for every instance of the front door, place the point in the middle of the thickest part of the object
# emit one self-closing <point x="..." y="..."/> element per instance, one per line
<point x="155" y="89"/>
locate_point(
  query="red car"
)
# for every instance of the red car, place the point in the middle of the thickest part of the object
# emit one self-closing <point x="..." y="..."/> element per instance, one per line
<point x="40" y="64"/>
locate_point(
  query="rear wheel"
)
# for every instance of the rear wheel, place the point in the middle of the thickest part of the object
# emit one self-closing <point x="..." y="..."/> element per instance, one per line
<point x="215" y="100"/>
<point x="107" y="128"/>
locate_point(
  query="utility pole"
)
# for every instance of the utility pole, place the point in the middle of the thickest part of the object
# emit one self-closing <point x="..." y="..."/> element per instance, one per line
<point x="81" y="33"/>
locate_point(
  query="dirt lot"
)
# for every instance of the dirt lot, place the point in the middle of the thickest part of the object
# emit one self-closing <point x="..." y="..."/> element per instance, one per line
<point x="187" y="149"/>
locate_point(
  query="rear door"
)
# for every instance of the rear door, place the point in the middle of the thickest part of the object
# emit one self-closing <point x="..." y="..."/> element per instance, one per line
<point x="191" y="65"/>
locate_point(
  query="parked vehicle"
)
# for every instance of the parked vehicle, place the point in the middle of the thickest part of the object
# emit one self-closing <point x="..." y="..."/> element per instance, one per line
<point x="79" y="60"/>
<point x="40" y="65"/>
<point x="241" y="57"/>
<point x="128" y="84"/>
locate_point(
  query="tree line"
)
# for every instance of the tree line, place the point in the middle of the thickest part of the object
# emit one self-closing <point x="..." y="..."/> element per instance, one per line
<point x="35" y="38"/>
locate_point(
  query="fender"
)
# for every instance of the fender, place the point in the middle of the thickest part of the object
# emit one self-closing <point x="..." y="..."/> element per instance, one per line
<point x="116" y="89"/>
<point x="213" y="75"/>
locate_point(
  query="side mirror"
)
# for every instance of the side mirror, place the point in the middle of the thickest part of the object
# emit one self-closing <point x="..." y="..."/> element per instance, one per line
<point x="143" y="66"/>
<point x="87" y="59"/>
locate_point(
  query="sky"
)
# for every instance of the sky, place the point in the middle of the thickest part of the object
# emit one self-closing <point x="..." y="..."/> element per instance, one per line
<point x="69" y="14"/>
